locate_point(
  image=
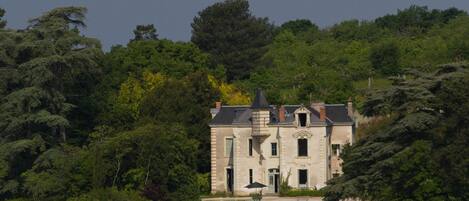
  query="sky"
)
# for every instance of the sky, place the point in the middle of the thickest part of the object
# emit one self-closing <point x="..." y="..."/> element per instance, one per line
<point x="112" y="21"/>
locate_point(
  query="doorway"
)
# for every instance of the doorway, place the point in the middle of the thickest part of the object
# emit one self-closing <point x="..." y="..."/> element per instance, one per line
<point x="229" y="179"/>
<point x="274" y="180"/>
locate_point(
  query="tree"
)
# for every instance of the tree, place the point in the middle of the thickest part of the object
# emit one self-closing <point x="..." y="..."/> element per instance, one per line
<point x="233" y="36"/>
<point x="351" y="30"/>
<point x="187" y="102"/>
<point x="46" y="64"/>
<point x="328" y="86"/>
<point x="384" y="58"/>
<point x="298" y="26"/>
<point x="296" y="71"/>
<point x="418" y="154"/>
<point x="145" y="32"/>
<point x="416" y="20"/>
<point x="129" y="65"/>
<point x="157" y="157"/>
<point x="2" y="22"/>
<point x="55" y="175"/>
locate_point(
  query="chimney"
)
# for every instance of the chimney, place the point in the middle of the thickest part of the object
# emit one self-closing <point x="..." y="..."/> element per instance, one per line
<point x="322" y="113"/>
<point x="317" y="105"/>
<point x="214" y="111"/>
<point x="281" y="114"/>
<point x="350" y="107"/>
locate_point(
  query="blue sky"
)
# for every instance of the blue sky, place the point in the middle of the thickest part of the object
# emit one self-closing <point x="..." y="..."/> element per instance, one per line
<point x="112" y="21"/>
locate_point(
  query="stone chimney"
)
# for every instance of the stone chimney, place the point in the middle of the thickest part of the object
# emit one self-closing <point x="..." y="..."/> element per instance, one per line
<point x="350" y="107"/>
<point x="322" y="113"/>
<point x="214" y="111"/>
<point x="281" y="114"/>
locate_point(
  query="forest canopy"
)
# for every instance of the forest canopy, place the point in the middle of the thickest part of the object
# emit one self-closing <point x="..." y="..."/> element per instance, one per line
<point x="77" y="123"/>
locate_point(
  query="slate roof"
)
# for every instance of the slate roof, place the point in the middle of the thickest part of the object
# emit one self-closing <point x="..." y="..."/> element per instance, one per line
<point x="260" y="102"/>
<point x="241" y="114"/>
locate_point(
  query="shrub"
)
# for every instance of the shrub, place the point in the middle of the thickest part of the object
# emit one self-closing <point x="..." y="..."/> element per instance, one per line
<point x="303" y="192"/>
<point x="109" y="194"/>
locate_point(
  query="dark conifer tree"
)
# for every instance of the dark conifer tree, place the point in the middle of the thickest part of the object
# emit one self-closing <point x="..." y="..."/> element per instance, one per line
<point x="233" y="36"/>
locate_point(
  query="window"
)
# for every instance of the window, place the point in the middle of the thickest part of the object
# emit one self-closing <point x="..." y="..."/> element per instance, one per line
<point x="274" y="148"/>
<point x="250" y="147"/>
<point x="302" y="119"/>
<point x="229" y="179"/>
<point x="250" y="176"/>
<point x="335" y="175"/>
<point x="228" y="147"/>
<point x="302" y="147"/>
<point x="303" y="178"/>
<point x="336" y="149"/>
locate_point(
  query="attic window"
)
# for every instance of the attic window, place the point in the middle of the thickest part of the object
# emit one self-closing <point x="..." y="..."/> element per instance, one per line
<point x="302" y="119"/>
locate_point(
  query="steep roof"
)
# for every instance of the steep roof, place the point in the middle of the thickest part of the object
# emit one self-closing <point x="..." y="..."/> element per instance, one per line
<point x="238" y="114"/>
<point x="338" y="113"/>
<point x="260" y="102"/>
<point x="241" y="114"/>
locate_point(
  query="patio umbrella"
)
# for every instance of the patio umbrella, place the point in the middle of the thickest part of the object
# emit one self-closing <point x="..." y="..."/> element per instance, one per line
<point x="256" y="185"/>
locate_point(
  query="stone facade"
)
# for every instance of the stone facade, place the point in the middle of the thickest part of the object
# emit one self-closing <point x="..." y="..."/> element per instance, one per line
<point x="259" y="145"/>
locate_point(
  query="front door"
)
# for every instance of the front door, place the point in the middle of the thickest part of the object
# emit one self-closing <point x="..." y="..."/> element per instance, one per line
<point x="277" y="182"/>
<point x="274" y="180"/>
<point x="229" y="180"/>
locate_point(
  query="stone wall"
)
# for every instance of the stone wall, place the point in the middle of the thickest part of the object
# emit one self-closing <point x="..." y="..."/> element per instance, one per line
<point x="287" y="161"/>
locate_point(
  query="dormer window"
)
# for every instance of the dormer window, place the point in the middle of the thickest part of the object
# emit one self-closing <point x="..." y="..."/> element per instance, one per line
<point x="302" y="117"/>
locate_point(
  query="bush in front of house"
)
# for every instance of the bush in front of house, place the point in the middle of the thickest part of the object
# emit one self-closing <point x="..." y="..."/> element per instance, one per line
<point x="302" y="192"/>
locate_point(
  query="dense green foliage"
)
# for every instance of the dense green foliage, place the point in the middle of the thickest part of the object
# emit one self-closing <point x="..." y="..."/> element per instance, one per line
<point x="132" y="124"/>
<point x="2" y="22"/>
<point x="297" y="26"/>
<point x="421" y="153"/>
<point x="145" y="32"/>
<point x="234" y="37"/>
<point x="41" y="79"/>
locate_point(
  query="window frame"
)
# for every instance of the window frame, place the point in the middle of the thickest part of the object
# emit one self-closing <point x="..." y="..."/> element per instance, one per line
<point x="272" y="148"/>
<point x="300" y="120"/>
<point x="250" y="146"/>
<point x="305" y="149"/>
<point x="251" y="177"/>
<point x="335" y="175"/>
<point x="336" y="150"/>
<point x="303" y="185"/>
<point x="232" y="143"/>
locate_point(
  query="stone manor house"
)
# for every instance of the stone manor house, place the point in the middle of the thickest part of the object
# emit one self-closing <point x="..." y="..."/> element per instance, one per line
<point x="299" y="144"/>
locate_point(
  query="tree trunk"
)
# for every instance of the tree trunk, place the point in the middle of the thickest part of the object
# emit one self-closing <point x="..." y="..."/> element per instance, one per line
<point x="62" y="132"/>
<point x="369" y="82"/>
<point x="117" y="172"/>
<point x="148" y="171"/>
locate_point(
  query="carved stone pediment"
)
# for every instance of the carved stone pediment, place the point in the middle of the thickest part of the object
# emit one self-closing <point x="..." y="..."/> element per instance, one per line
<point x="302" y="134"/>
<point x="302" y="109"/>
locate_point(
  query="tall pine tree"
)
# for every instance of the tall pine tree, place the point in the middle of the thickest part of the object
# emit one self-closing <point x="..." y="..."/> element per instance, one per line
<point x="45" y="66"/>
<point x="233" y="36"/>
